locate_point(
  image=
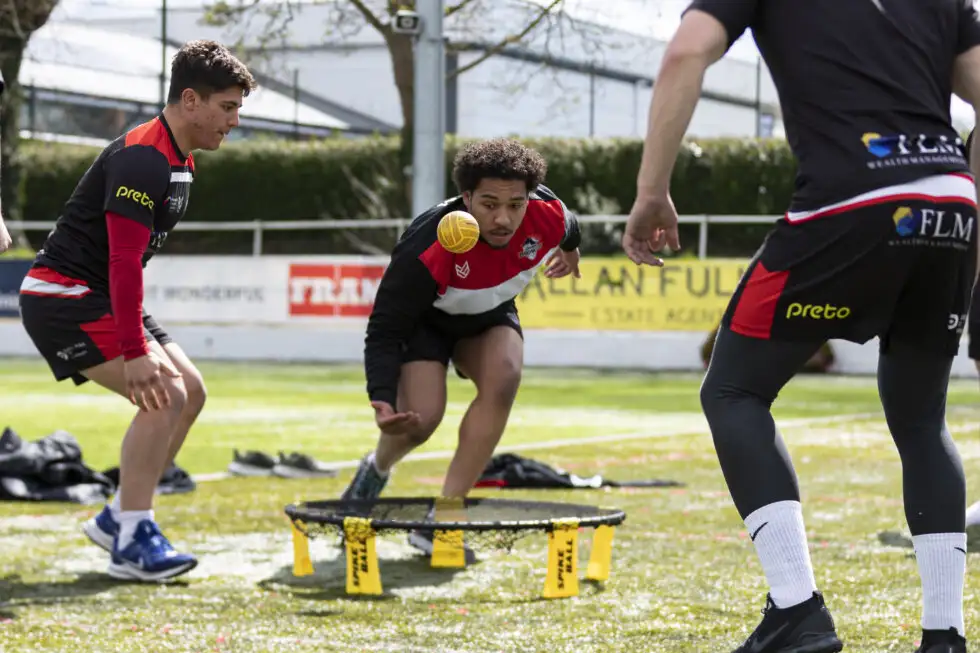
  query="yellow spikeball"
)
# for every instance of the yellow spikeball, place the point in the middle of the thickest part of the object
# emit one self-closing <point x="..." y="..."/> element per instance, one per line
<point x="458" y="232"/>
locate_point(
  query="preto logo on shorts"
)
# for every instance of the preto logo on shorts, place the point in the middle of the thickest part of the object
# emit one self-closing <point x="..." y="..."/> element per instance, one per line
<point x="139" y="197"/>
<point x="902" y="150"/>
<point x="817" y="311"/>
<point x="932" y="227"/>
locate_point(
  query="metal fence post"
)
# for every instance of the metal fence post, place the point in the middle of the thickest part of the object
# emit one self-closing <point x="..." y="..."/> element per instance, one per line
<point x="703" y="237"/>
<point x="257" y="238"/>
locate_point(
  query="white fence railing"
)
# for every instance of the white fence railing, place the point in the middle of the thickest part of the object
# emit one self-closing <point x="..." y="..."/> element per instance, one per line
<point x="258" y="227"/>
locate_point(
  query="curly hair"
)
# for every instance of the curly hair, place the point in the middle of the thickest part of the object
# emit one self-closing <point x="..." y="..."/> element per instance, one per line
<point x="207" y="67"/>
<point x="498" y="158"/>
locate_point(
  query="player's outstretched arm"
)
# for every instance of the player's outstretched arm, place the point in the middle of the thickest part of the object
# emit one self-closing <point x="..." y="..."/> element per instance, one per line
<point x="406" y="291"/>
<point x="706" y="32"/>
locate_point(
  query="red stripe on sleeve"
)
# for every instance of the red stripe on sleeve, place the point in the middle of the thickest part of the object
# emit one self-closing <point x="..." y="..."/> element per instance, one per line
<point x="128" y="239"/>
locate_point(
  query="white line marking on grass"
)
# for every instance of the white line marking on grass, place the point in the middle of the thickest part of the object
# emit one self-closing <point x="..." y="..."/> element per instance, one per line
<point x="597" y="439"/>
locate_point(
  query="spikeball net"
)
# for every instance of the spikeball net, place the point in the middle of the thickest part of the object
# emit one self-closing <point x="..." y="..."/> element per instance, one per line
<point x="474" y="523"/>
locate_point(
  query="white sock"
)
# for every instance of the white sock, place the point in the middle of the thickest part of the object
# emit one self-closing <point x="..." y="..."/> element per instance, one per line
<point x="128" y="521"/>
<point x="942" y="568"/>
<point x="116" y="506"/>
<point x="374" y="463"/>
<point x="780" y="541"/>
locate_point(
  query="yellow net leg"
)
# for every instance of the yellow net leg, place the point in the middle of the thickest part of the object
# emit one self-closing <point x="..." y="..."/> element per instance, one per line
<point x="561" y="579"/>
<point x="447" y="546"/>
<point x="302" y="564"/>
<point x="363" y="575"/>
<point x="601" y="557"/>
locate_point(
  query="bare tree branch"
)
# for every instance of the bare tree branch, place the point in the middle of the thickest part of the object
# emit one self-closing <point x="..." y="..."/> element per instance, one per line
<point x="369" y="16"/>
<point x="454" y="8"/>
<point x="509" y="40"/>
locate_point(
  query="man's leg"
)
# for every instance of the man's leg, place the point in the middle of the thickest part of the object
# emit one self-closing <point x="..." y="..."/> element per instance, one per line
<point x="493" y="360"/>
<point x="197" y="394"/>
<point x="421" y="389"/>
<point x="744" y="377"/>
<point x="913" y="385"/>
<point x="139" y="550"/>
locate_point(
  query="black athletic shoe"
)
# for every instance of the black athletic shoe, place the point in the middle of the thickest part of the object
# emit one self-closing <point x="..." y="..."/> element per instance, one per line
<point x="252" y="463"/>
<point x="299" y="465"/>
<point x="941" y="641"/>
<point x="804" y="628"/>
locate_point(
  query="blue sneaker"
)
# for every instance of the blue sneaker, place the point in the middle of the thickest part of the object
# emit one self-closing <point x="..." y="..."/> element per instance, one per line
<point x="149" y="556"/>
<point x="102" y="529"/>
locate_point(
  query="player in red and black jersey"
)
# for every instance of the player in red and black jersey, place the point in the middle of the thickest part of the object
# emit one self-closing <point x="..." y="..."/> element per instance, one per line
<point x="81" y="302"/>
<point x="880" y="240"/>
<point x="434" y="306"/>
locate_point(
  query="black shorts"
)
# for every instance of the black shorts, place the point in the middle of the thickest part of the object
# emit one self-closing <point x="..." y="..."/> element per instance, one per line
<point x="897" y="265"/>
<point x="76" y="333"/>
<point x="435" y="340"/>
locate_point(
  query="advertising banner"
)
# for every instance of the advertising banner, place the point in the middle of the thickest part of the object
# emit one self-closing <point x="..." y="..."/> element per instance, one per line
<point x="616" y="295"/>
<point x="12" y="273"/>
<point x="261" y="290"/>
<point x="612" y="295"/>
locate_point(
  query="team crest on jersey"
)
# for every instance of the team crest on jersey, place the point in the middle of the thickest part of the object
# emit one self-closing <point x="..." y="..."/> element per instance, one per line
<point x="463" y="271"/>
<point x="530" y="248"/>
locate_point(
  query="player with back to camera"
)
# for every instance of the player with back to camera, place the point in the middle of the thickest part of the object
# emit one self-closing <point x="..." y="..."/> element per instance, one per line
<point x="434" y="306"/>
<point x="880" y="240"/>
<point x="81" y="302"/>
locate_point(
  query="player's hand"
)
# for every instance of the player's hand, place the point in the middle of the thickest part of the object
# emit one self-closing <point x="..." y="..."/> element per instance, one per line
<point x="652" y="224"/>
<point x="562" y="263"/>
<point x="5" y="240"/>
<point x="144" y="381"/>
<point x="392" y="423"/>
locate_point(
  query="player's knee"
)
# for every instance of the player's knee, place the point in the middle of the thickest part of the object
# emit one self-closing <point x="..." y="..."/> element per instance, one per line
<point x="197" y="393"/>
<point x="177" y="393"/>
<point x="428" y="423"/>
<point x="502" y="385"/>
<point x="709" y="394"/>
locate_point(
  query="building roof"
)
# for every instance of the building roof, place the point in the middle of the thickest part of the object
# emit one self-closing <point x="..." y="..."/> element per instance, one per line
<point x="91" y="61"/>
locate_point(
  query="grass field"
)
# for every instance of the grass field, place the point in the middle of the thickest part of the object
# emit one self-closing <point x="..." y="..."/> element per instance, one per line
<point x="684" y="578"/>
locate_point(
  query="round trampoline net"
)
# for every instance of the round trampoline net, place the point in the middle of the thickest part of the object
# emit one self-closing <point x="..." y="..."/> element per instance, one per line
<point x="483" y="523"/>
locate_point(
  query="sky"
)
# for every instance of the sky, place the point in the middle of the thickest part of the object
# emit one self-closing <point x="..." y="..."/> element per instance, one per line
<point x="654" y="18"/>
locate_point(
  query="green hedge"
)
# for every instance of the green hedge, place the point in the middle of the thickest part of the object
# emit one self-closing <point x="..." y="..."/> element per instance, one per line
<point x="357" y="178"/>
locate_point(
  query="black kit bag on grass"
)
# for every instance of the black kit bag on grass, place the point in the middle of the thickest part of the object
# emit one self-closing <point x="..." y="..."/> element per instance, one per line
<point x="509" y="470"/>
<point x="49" y="469"/>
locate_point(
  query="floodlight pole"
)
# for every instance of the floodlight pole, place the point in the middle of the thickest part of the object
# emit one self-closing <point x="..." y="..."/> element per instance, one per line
<point x="428" y="151"/>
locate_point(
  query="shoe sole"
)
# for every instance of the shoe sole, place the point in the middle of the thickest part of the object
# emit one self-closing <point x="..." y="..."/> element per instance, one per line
<point x="240" y="469"/>
<point x="284" y="471"/>
<point x="128" y="572"/>
<point x="825" y="645"/>
<point x="98" y="536"/>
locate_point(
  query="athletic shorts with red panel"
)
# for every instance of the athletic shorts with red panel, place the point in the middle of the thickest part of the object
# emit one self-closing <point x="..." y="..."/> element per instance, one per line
<point x="896" y="263"/>
<point x="72" y="325"/>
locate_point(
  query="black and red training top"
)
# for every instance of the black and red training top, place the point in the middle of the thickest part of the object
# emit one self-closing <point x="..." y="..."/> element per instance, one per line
<point x="132" y="196"/>
<point x="454" y="292"/>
